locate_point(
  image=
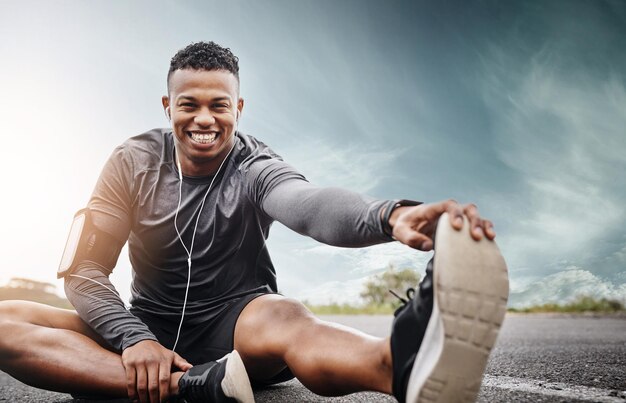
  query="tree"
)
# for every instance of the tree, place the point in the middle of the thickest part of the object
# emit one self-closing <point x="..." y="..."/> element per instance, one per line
<point x="376" y="290"/>
<point x="31" y="290"/>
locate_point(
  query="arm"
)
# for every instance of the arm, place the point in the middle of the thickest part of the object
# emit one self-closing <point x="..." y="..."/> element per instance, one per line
<point x="342" y="218"/>
<point x="333" y="216"/>
<point x="105" y="228"/>
<point x="97" y="302"/>
<point x="147" y="363"/>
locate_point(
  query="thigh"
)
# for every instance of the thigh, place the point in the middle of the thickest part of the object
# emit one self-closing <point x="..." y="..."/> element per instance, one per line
<point x="46" y="316"/>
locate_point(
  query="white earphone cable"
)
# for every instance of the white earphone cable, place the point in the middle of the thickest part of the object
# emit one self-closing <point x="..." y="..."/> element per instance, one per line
<point x="193" y="236"/>
<point x="97" y="282"/>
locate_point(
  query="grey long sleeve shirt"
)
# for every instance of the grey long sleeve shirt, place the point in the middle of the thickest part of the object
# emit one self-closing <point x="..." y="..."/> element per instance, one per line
<point x="136" y="199"/>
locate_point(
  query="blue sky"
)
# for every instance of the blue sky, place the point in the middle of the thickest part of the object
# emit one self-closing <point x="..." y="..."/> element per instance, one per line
<point x="519" y="107"/>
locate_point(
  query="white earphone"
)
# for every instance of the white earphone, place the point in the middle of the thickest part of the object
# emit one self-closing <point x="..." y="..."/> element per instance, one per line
<point x="195" y="228"/>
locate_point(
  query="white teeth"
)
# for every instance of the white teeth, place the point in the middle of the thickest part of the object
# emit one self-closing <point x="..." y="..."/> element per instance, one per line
<point x="203" y="138"/>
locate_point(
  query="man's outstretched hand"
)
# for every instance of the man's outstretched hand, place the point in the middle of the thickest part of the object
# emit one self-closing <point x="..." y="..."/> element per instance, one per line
<point x="415" y="226"/>
<point x="148" y="369"/>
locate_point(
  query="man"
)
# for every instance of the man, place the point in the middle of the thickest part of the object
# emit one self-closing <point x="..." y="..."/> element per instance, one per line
<point x="195" y="203"/>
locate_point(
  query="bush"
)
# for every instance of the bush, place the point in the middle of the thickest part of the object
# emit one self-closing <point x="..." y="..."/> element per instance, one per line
<point x="376" y="292"/>
<point x="583" y="303"/>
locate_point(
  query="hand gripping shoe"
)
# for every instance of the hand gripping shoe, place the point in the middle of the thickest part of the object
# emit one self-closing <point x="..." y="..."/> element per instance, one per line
<point x="224" y="380"/>
<point x="441" y="338"/>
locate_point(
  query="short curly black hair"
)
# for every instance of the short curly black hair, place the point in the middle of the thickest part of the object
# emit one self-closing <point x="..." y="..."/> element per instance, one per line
<point x="204" y="56"/>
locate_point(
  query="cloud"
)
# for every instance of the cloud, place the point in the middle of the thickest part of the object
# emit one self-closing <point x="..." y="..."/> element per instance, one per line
<point x="357" y="167"/>
<point x="371" y="261"/>
<point x="561" y="130"/>
<point x="618" y="256"/>
<point x="565" y="286"/>
<point x="323" y="274"/>
<point x="374" y="258"/>
<point x="334" y="292"/>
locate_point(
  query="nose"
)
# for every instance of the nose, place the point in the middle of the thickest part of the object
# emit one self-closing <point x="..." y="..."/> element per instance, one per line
<point x="204" y="118"/>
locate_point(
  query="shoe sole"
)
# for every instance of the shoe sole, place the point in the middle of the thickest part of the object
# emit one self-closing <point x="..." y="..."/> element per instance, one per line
<point x="471" y="289"/>
<point x="236" y="383"/>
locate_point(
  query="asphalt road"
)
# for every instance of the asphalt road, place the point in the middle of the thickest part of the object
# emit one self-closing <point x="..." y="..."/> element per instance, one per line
<point x="538" y="358"/>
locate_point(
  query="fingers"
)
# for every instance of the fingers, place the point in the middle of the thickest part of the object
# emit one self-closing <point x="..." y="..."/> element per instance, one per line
<point x="489" y="230"/>
<point x="181" y="363"/>
<point x="435" y="210"/>
<point x="450" y="206"/>
<point x="414" y="239"/>
<point x="476" y="224"/>
<point x="415" y="227"/>
<point x="164" y="381"/>
<point x="142" y="384"/>
<point x="153" y="382"/>
<point x="455" y="212"/>
<point x="131" y="383"/>
<point x="149" y="383"/>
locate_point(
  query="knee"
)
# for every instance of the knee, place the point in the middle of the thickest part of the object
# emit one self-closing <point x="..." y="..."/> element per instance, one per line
<point x="288" y="311"/>
<point x="273" y="320"/>
<point x="11" y="314"/>
<point x="14" y="311"/>
<point x="289" y="324"/>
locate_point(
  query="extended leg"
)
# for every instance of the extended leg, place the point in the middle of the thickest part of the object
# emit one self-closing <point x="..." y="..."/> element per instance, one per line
<point x="441" y="338"/>
<point x="330" y="359"/>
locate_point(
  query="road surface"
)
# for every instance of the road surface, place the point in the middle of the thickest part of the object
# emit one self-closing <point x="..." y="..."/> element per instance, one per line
<point x="538" y="358"/>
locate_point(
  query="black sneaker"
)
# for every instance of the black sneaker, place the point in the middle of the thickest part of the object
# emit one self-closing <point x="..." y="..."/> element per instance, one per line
<point x="224" y="380"/>
<point x="441" y="338"/>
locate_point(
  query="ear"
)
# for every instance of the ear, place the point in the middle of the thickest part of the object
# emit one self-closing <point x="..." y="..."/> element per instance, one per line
<point x="166" y="106"/>
<point x="240" y="103"/>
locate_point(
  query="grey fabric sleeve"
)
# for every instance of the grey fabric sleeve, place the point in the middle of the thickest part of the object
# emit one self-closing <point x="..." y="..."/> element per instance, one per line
<point x="101" y="306"/>
<point x="333" y="216"/>
<point x="111" y="199"/>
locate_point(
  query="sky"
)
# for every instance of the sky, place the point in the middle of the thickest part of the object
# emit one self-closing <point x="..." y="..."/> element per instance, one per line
<point x="519" y="107"/>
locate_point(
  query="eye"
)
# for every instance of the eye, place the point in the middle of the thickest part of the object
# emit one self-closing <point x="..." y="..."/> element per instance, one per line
<point x="220" y="106"/>
<point x="188" y="105"/>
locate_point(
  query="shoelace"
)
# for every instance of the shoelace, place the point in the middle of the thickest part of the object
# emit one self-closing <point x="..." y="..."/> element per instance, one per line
<point x="410" y="294"/>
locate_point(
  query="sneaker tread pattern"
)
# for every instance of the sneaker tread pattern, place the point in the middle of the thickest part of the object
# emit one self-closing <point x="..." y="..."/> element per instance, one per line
<point x="471" y="289"/>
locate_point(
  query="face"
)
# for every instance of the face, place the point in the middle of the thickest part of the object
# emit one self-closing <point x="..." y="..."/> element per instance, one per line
<point x="204" y="107"/>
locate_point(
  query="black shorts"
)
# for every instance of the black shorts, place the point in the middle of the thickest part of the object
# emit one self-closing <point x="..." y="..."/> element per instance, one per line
<point x="208" y="338"/>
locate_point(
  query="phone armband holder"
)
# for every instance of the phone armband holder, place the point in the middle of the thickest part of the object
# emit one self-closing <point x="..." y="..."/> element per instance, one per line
<point x="87" y="242"/>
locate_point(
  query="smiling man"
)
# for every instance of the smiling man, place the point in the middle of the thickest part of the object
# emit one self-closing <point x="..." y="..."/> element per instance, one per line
<point x="195" y="203"/>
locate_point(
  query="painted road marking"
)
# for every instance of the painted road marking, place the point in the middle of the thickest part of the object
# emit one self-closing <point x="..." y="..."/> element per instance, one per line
<point x="556" y="389"/>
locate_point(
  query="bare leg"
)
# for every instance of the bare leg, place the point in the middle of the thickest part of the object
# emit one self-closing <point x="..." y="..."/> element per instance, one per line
<point x="54" y="349"/>
<point x="274" y="331"/>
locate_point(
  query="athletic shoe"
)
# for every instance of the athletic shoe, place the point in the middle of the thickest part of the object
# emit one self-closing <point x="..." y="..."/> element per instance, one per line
<point x="441" y="338"/>
<point x="224" y="380"/>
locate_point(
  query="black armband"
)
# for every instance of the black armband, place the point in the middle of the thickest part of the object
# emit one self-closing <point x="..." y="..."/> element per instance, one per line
<point x="392" y="205"/>
<point x="88" y="243"/>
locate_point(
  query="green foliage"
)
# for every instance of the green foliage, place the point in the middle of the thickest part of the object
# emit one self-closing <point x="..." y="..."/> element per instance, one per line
<point x="347" y="309"/>
<point x="376" y="290"/>
<point x="583" y="303"/>
<point x="31" y="290"/>
<point x="376" y="296"/>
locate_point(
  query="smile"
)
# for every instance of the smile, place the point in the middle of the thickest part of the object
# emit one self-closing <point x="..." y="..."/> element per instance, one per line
<point x="203" y="138"/>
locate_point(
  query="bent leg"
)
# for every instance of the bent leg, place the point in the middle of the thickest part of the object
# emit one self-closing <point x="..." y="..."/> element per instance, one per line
<point x="54" y="349"/>
<point x="329" y="359"/>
